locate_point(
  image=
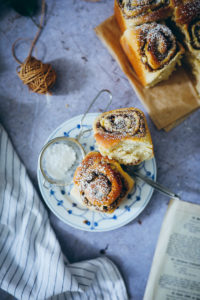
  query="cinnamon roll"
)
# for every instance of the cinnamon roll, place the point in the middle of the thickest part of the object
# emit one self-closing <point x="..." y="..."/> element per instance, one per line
<point x="123" y="135"/>
<point x="153" y="51"/>
<point x="193" y="64"/>
<point x="187" y="18"/>
<point x="136" y="12"/>
<point x="100" y="183"/>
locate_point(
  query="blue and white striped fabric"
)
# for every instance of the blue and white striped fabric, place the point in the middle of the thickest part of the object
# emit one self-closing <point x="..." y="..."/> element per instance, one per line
<point x="32" y="265"/>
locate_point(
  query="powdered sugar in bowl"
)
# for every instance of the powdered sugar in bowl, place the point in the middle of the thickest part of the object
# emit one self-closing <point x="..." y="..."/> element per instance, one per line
<point x="59" y="159"/>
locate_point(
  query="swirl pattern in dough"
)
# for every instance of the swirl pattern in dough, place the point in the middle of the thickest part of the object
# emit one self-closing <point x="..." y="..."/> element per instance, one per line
<point x="101" y="182"/>
<point x="194" y="34"/>
<point x="123" y="135"/>
<point x="187" y="19"/>
<point x="157" y="45"/>
<point x="134" y="8"/>
<point x="136" y="12"/>
<point x="121" y="123"/>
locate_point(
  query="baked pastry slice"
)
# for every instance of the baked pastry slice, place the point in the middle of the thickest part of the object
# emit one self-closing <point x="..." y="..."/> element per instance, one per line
<point x="123" y="135"/>
<point x="193" y="65"/>
<point x="100" y="183"/>
<point x="129" y="13"/>
<point x="153" y="51"/>
<point x="187" y="18"/>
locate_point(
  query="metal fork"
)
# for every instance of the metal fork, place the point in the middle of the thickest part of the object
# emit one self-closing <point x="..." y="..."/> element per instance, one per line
<point x="152" y="183"/>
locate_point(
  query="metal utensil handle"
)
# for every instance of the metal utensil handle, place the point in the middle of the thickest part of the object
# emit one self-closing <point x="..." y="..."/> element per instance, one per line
<point x="91" y="104"/>
<point x="157" y="186"/>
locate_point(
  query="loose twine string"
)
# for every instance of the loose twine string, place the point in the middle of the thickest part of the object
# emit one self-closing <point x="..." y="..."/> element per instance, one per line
<point x="39" y="77"/>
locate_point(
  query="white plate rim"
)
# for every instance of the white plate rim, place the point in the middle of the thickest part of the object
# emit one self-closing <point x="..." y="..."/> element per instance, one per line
<point x="132" y="218"/>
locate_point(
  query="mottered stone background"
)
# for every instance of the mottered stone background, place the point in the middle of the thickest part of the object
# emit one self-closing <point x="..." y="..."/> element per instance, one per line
<point x="84" y="67"/>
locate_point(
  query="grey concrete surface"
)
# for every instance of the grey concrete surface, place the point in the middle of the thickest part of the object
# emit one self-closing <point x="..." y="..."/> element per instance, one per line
<point x="84" y="67"/>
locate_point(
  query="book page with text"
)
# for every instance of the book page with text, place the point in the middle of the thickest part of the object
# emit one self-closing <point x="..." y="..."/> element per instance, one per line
<point x="175" y="271"/>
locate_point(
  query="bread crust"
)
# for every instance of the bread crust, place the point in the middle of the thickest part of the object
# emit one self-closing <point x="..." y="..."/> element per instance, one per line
<point x="131" y="47"/>
<point x="119" y="17"/>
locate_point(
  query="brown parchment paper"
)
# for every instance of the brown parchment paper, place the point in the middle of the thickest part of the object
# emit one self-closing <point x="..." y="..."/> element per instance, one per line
<point x="169" y="102"/>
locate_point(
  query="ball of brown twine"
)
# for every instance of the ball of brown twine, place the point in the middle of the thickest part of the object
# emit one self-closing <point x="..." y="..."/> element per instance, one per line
<point x="39" y="77"/>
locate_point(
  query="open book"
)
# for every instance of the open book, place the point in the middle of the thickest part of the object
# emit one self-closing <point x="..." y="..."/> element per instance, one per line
<point x="175" y="271"/>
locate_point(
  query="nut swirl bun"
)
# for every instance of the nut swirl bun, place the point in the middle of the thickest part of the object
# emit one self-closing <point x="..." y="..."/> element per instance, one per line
<point x="129" y="13"/>
<point x="100" y="183"/>
<point x="187" y="18"/>
<point x="123" y="135"/>
<point x="153" y="51"/>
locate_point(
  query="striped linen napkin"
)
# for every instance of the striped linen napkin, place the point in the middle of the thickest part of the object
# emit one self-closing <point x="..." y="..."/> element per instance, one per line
<point x="32" y="265"/>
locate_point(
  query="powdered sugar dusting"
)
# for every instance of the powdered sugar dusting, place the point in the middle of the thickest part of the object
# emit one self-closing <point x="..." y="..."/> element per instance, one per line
<point x="135" y="8"/>
<point x="187" y="12"/>
<point x="99" y="183"/>
<point x="157" y="45"/>
<point x="98" y="189"/>
<point x="120" y="124"/>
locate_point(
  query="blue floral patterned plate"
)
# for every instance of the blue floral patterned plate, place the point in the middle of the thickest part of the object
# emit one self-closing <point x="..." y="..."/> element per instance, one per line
<point x="65" y="207"/>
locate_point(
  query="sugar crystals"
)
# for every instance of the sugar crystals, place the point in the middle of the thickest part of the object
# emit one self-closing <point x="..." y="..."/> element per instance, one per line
<point x="59" y="158"/>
